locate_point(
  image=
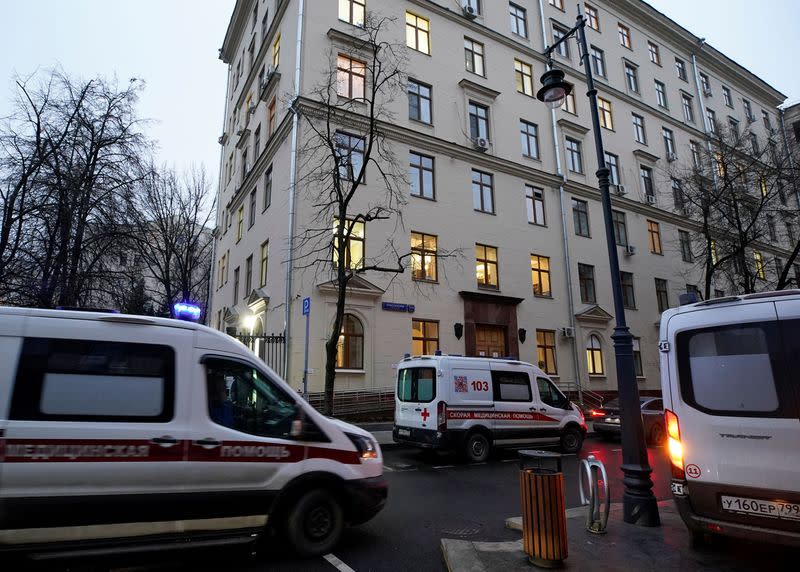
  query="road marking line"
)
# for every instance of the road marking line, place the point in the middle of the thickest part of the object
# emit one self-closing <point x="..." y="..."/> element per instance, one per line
<point x="388" y="468"/>
<point x="338" y="564"/>
<point x="509" y="460"/>
<point x="478" y="463"/>
<point x="442" y="466"/>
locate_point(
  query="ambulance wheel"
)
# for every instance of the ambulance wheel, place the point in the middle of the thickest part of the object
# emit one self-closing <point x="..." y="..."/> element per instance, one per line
<point x="315" y="523"/>
<point x="476" y="447"/>
<point x="571" y="440"/>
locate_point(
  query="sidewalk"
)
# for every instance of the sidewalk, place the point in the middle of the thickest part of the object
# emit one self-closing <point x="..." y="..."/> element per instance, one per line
<point x="623" y="547"/>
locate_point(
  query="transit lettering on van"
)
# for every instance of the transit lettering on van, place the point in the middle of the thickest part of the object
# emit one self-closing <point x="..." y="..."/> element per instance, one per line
<point x="489" y="403"/>
<point x="15" y="452"/>
<point x="254" y="451"/>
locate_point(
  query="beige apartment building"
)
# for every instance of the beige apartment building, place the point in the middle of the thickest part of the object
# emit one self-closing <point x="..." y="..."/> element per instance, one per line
<point x="494" y="175"/>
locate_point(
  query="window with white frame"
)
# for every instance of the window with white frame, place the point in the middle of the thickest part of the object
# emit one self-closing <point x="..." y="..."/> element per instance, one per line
<point x="529" y="137"/>
<point x="519" y="20"/>
<point x="534" y="205"/>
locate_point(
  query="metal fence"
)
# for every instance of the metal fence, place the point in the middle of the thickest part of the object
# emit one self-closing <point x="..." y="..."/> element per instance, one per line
<point x="356" y="401"/>
<point x="269" y="348"/>
<point x="589" y="399"/>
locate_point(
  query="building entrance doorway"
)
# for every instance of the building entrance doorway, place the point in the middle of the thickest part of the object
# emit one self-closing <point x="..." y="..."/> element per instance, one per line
<point x="490" y="341"/>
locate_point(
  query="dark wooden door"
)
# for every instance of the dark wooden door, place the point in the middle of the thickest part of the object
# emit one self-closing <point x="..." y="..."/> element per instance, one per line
<point x="490" y="341"/>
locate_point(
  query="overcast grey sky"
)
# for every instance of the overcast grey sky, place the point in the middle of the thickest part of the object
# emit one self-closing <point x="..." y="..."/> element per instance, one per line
<point x="172" y="45"/>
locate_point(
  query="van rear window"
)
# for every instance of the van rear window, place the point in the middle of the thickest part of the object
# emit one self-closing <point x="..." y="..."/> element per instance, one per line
<point x="417" y="384"/>
<point x="731" y="370"/>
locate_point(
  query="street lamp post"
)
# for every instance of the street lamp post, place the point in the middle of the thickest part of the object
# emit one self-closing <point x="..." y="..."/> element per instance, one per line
<point x="639" y="503"/>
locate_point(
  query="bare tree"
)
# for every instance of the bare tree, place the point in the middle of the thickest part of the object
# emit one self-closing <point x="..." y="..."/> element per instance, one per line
<point x="344" y="137"/>
<point x="171" y="236"/>
<point x="71" y="154"/>
<point x="735" y="193"/>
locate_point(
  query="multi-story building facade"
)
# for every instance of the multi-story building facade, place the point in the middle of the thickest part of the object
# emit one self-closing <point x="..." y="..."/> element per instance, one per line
<point x="494" y="175"/>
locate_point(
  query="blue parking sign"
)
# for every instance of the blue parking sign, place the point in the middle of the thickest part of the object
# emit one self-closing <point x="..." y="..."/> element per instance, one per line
<point x="306" y="306"/>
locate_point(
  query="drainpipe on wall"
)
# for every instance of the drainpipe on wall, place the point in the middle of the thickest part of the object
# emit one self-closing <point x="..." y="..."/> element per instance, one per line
<point x="564" y="233"/>
<point x="292" y="196"/>
<point x="217" y="215"/>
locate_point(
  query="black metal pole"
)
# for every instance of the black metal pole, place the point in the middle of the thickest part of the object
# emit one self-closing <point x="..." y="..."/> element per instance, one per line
<point x="639" y="503"/>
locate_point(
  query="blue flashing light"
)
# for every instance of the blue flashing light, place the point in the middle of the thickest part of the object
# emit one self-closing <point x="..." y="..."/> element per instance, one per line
<point x="187" y="311"/>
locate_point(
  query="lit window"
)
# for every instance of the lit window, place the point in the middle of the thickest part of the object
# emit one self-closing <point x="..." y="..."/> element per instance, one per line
<point x="424" y="337"/>
<point x="540" y="276"/>
<point x="276" y="52"/>
<point x="418" y="33"/>
<point x="594" y="356"/>
<point x="486" y="266"/>
<point x="654" y="237"/>
<point x="762" y="183"/>
<point x="473" y="56"/>
<point x="546" y="351"/>
<point x="624" y="35"/>
<point x="759" y="260"/>
<point x="606" y="117"/>
<point x="423" y="257"/>
<point x="350" y="77"/>
<point x="523" y="74"/>
<point x="350" y="348"/>
<point x="352" y="11"/>
<point x="353" y="234"/>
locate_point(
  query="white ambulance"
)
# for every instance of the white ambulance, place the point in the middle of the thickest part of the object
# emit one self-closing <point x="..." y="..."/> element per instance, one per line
<point x="136" y="432"/>
<point x="729" y="377"/>
<point x="472" y="404"/>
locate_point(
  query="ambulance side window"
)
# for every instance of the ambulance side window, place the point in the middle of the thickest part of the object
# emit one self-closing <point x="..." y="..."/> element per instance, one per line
<point x="550" y="395"/>
<point x="241" y="398"/>
<point x="94" y="380"/>
<point x="416" y="384"/>
<point x="511" y="386"/>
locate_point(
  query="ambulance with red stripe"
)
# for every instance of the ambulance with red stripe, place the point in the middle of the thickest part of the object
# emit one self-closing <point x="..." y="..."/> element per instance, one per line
<point x="473" y="404"/>
<point x="137" y="432"/>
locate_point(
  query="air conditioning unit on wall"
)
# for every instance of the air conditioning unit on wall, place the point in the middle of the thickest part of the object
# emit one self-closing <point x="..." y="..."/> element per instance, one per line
<point x="481" y="144"/>
<point x="469" y="12"/>
<point x="567" y="332"/>
<point x="620" y="190"/>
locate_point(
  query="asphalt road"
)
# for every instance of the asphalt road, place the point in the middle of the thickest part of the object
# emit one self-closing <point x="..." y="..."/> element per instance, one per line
<point x="431" y="496"/>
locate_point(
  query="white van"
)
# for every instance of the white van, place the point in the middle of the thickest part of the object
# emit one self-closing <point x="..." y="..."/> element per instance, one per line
<point x="729" y="376"/>
<point x="471" y="404"/>
<point x="128" y="431"/>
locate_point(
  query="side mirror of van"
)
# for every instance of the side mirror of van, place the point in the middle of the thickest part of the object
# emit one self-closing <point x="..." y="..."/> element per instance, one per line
<point x="304" y="429"/>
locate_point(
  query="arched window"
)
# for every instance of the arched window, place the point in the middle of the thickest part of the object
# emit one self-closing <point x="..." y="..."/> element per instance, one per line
<point x="594" y="356"/>
<point x="350" y="350"/>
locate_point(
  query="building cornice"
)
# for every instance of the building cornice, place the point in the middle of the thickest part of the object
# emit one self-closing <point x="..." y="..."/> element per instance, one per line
<point x="235" y="30"/>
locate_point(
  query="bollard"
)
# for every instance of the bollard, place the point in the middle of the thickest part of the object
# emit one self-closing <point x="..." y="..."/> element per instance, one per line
<point x="596" y="520"/>
<point x="544" y="522"/>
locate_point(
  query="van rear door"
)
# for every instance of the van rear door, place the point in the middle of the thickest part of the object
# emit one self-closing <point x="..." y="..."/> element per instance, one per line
<point x="416" y="396"/>
<point x="737" y="413"/>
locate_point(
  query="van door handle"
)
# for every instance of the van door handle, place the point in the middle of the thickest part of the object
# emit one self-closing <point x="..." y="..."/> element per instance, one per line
<point x="418" y="409"/>
<point x="208" y="443"/>
<point x="165" y="441"/>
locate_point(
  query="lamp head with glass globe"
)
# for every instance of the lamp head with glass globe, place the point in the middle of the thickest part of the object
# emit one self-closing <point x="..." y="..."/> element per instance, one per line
<point x="555" y="88"/>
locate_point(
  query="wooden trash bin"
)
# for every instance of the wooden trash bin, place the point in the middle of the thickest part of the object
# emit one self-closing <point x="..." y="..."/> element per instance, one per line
<point x="544" y="523"/>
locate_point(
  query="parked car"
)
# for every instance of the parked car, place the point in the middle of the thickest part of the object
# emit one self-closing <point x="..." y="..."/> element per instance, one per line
<point x="471" y="404"/>
<point x="729" y="376"/>
<point x="607" y="419"/>
<point x="144" y="433"/>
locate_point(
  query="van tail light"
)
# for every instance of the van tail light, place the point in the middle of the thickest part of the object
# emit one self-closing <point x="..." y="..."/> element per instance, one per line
<point x="674" y="444"/>
<point x="441" y="416"/>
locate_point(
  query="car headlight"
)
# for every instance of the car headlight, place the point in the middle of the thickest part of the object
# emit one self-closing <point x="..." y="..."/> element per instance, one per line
<point x="367" y="448"/>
